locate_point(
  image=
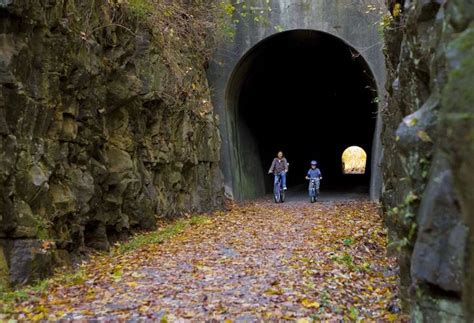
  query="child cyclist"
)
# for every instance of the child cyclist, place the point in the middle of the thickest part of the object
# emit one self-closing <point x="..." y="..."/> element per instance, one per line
<point x="314" y="173"/>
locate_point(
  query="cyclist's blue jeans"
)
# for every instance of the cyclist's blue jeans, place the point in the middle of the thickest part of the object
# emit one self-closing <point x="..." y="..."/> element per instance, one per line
<point x="283" y="178"/>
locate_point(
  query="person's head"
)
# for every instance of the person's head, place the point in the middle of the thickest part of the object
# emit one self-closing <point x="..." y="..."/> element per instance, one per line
<point x="314" y="164"/>
<point x="280" y="154"/>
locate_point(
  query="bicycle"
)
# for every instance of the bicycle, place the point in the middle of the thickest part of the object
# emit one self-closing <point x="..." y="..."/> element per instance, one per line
<point x="313" y="189"/>
<point x="278" y="192"/>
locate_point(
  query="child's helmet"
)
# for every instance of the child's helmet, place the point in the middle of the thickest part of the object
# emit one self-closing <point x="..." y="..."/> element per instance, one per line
<point x="313" y="162"/>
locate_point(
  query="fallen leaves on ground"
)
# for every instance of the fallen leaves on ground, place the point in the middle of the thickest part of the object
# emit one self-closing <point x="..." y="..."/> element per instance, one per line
<point x="293" y="261"/>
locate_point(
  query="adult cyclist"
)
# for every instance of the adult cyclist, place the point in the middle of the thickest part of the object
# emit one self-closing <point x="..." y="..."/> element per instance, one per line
<point x="278" y="168"/>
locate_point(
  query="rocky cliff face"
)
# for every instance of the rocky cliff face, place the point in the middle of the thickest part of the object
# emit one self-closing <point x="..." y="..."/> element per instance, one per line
<point x="429" y="155"/>
<point x="98" y="133"/>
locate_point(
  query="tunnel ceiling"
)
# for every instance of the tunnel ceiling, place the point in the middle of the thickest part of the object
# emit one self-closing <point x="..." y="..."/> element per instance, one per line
<point x="309" y="94"/>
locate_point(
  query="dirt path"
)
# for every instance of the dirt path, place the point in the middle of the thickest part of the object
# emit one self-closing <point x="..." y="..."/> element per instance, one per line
<point x="258" y="261"/>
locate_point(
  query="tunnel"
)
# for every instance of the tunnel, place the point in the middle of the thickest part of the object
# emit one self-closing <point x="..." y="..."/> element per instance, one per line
<point x="308" y="94"/>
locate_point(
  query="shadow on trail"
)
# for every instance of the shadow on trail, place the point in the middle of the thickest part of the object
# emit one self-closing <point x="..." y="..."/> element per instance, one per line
<point x="299" y="193"/>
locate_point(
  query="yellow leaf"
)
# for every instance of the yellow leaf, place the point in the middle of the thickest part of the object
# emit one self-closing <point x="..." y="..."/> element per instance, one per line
<point x="273" y="291"/>
<point x="310" y="304"/>
<point x="90" y="297"/>
<point x="87" y="312"/>
<point x="41" y="309"/>
<point x="117" y="275"/>
<point x="411" y="122"/>
<point x="137" y="275"/>
<point x="132" y="284"/>
<point x="392" y="317"/>
<point x="56" y="301"/>
<point x="37" y="317"/>
<point x="423" y="135"/>
<point x="302" y="320"/>
<point x="397" y="8"/>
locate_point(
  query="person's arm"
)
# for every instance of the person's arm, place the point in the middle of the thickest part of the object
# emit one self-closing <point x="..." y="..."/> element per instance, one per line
<point x="307" y="174"/>
<point x="286" y="165"/>
<point x="320" y="175"/>
<point x="272" y="167"/>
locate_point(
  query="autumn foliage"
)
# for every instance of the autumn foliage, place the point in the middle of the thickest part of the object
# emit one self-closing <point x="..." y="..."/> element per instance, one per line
<point x="258" y="261"/>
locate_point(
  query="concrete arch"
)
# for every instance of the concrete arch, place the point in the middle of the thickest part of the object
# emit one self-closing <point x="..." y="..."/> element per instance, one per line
<point x="340" y="22"/>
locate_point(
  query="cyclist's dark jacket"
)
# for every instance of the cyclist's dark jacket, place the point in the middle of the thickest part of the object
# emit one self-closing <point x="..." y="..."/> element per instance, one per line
<point x="314" y="173"/>
<point x="278" y="166"/>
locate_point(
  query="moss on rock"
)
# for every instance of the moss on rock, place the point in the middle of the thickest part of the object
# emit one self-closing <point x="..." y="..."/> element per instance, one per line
<point x="4" y="272"/>
<point x="458" y="122"/>
<point x="97" y="107"/>
<point x="432" y="57"/>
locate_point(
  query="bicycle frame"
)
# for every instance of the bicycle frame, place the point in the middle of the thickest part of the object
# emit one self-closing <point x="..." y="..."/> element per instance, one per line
<point x="313" y="190"/>
<point x="278" y="192"/>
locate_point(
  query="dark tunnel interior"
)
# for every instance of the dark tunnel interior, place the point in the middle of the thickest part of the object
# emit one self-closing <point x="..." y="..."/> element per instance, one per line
<point x="310" y="95"/>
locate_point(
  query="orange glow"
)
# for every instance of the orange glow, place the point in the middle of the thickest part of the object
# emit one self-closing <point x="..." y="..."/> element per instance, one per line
<point x="354" y="160"/>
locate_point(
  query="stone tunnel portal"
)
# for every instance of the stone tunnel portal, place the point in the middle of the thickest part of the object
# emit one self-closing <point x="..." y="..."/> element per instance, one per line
<point x="309" y="94"/>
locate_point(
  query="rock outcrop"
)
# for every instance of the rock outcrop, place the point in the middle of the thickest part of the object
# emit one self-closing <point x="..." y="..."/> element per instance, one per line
<point x="429" y="155"/>
<point x="98" y="134"/>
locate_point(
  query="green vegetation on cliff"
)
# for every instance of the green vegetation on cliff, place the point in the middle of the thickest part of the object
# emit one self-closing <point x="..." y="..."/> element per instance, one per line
<point x="428" y="156"/>
<point x="106" y="125"/>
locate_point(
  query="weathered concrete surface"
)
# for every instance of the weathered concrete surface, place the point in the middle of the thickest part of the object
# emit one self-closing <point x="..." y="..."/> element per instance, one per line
<point x="429" y="143"/>
<point x="98" y="136"/>
<point x="345" y="19"/>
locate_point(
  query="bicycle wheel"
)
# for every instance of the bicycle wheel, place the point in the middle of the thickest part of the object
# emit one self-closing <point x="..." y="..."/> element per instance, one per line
<point x="276" y="192"/>
<point x="282" y="196"/>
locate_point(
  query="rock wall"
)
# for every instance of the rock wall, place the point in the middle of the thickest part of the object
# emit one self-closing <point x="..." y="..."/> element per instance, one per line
<point x="98" y="134"/>
<point x="428" y="140"/>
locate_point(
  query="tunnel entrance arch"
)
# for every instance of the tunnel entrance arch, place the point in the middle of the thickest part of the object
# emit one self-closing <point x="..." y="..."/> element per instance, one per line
<point x="307" y="93"/>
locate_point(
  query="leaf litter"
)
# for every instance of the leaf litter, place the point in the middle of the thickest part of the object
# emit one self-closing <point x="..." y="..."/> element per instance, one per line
<point x="258" y="261"/>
